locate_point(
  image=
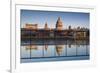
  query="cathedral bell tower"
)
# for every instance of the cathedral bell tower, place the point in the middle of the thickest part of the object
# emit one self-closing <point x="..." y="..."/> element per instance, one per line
<point x="46" y="26"/>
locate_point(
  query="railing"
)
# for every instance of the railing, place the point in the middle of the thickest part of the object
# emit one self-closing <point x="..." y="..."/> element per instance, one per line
<point x="67" y="47"/>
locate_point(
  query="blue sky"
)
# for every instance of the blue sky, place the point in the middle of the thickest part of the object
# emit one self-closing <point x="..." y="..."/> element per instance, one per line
<point x="74" y="19"/>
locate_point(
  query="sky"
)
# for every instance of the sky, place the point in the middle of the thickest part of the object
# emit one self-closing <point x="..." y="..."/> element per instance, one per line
<point x="74" y="19"/>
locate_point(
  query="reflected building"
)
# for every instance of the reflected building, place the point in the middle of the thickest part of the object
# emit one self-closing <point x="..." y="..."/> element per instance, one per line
<point x="45" y="47"/>
<point x="59" y="49"/>
<point x="31" y="47"/>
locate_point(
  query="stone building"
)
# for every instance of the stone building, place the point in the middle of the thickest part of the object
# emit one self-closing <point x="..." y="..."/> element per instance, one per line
<point x="31" y="26"/>
<point x="32" y="31"/>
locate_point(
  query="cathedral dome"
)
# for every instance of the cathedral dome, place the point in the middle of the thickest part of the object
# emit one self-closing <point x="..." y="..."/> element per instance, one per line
<point x="59" y="24"/>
